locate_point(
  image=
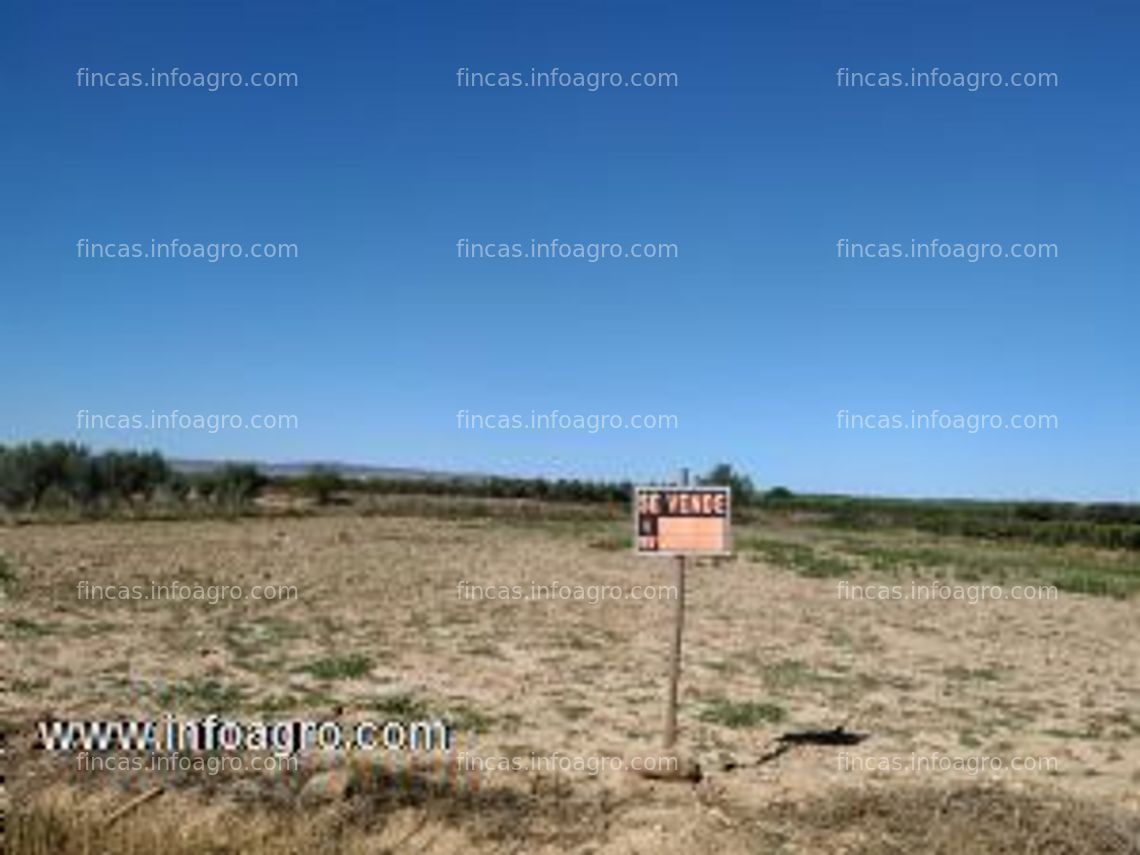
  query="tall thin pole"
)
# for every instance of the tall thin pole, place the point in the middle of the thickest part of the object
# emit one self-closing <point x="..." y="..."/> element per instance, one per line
<point x="675" y="657"/>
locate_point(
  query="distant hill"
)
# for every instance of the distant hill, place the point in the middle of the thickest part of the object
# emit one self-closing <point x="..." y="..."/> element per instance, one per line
<point x="345" y="470"/>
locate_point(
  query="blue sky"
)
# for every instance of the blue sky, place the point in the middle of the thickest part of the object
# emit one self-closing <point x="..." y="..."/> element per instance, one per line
<point x="754" y="337"/>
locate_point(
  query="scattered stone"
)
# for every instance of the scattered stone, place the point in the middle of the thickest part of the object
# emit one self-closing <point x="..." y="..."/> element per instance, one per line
<point x="325" y="787"/>
<point x="665" y="766"/>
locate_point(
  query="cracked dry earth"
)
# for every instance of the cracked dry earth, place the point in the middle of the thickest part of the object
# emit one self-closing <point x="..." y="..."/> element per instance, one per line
<point x="1054" y="685"/>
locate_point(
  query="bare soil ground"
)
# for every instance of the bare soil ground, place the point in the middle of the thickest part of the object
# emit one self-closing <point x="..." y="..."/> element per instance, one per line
<point x="378" y="628"/>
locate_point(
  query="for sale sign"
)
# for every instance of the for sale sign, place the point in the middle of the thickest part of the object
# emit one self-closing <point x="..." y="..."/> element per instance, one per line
<point x="682" y="520"/>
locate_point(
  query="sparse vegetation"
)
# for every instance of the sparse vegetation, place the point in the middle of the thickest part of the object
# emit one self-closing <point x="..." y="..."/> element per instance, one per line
<point x="737" y="714"/>
<point x="27" y="628"/>
<point x="349" y="667"/>
<point x="7" y="576"/>
<point x="204" y="695"/>
<point x="1076" y="569"/>
<point x="792" y="674"/>
<point x="1109" y="525"/>
<point x="803" y="559"/>
<point x="963" y="674"/>
<point x="400" y="706"/>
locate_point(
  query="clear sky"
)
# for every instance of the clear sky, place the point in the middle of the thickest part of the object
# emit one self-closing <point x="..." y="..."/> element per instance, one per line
<point x="754" y="165"/>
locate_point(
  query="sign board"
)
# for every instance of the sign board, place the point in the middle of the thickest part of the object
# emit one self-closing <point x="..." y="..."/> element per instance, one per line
<point x="682" y="520"/>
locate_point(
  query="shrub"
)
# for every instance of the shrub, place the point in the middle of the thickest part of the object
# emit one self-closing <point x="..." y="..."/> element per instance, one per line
<point x="319" y="483"/>
<point x="233" y="485"/>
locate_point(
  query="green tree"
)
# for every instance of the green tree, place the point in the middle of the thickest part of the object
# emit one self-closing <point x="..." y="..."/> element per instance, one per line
<point x="723" y="475"/>
<point x="236" y="484"/>
<point x="320" y="483"/>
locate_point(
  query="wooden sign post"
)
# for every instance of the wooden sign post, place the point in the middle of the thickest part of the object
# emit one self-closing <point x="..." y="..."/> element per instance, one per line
<point x="680" y="521"/>
<point x="675" y="652"/>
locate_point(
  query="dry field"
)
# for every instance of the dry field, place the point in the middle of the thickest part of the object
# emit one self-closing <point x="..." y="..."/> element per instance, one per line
<point x="378" y="630"/>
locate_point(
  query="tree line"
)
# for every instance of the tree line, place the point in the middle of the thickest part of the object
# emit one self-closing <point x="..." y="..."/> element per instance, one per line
<point x="59" y="475"/>
<point x="66" y="476"/>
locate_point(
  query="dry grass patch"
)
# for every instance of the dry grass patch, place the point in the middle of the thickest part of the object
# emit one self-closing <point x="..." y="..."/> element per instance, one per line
<point x="979" y="819"/>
